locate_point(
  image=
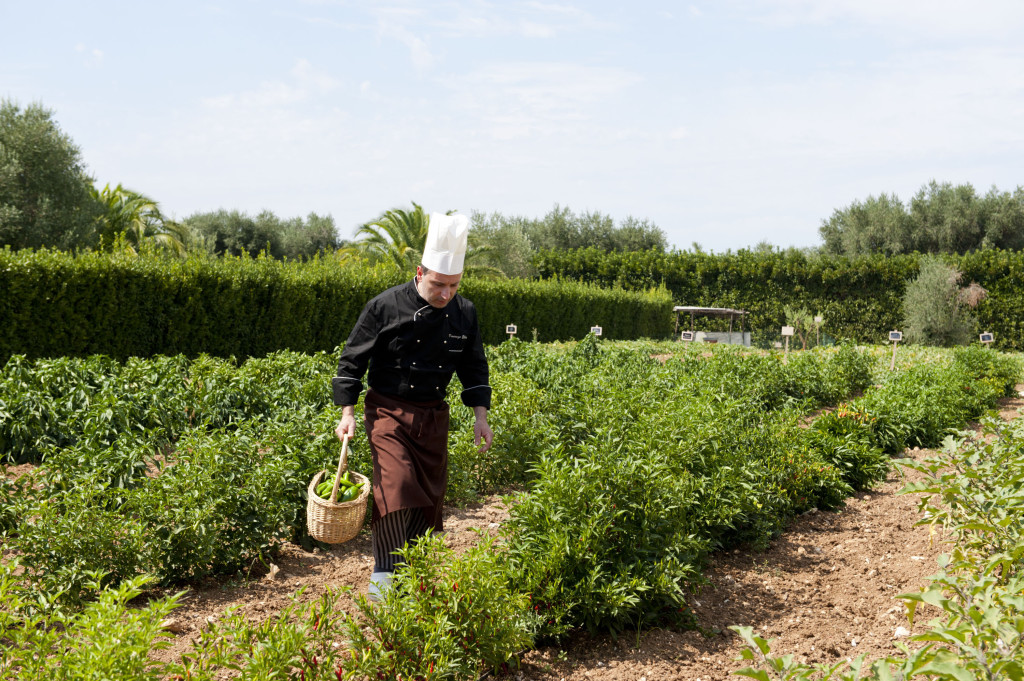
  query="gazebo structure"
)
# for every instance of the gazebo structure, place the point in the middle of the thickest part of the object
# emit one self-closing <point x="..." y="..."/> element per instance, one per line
<point x="714" y="312"/>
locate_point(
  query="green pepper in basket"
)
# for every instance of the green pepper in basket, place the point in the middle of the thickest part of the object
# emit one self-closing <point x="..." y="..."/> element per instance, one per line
<point x="347" y="489"/>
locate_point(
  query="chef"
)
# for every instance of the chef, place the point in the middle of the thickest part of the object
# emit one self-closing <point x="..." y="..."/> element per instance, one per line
<point x="413" y="337"/>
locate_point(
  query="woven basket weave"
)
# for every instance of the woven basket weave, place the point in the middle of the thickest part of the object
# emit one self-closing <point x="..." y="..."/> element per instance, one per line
<point x="329" y="521"/>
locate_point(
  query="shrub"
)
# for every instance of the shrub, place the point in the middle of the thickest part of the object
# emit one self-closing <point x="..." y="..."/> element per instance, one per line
<point x="59" y="304"/>
<point x="447" y="617"/>
<point x="935" y="311"/>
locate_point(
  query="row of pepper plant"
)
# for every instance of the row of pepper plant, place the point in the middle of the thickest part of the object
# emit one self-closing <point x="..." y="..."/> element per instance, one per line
<point x="627" y="471"/>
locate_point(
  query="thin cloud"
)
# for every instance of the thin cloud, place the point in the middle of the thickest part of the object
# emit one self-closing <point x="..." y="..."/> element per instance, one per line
<point x="309" y="77"/>
<point x="92" y="58"/>
<point x="922" y="18"/>
<point x="483" y="19"/>
<point x="419" y="51"/>
<point x="520" y="97"/>
<point x="930" y="103"/>
<point x="560" y="9"/>
<point x="530" y="29"/>
<point x="299" y="111"/>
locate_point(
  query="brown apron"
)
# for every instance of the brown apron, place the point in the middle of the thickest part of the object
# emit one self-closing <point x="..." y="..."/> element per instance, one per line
<point x="409" y="443"/>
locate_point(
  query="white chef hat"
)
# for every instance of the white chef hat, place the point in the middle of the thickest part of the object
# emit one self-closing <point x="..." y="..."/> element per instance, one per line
<point x="445" y="250"/>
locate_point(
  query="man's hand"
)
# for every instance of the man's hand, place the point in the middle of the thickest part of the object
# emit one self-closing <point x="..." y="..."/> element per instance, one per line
<point x="481" y="431"/>
<point x="347" y="425"/>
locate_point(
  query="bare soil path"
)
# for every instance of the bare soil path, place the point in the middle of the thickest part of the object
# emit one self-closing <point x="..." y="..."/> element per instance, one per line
<point x="824" y="591"/>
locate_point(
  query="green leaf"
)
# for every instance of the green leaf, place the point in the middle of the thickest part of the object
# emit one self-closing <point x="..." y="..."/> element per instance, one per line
<point x="1011" y="668"/>
<point x="947" y="670"/>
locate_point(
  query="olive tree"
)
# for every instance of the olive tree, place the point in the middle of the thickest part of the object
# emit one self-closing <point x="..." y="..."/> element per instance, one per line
<point x="937" y="310"/>
<point x="44" y="189"/>
<point x="940" y="218"/>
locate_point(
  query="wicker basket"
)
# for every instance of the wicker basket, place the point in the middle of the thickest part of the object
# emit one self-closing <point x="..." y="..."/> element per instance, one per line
<point x="329" y="521"/>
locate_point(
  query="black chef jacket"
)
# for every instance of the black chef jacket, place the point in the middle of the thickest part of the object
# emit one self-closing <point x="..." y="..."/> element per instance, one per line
<point x="413" y="349"/>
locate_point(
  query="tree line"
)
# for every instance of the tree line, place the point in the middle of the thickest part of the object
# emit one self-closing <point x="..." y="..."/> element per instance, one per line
<point x="48" y="199"/>
<point x="940" y="218"/>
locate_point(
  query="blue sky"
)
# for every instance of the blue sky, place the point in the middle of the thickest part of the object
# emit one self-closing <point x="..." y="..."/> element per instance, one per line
<point x="725" y="123"/>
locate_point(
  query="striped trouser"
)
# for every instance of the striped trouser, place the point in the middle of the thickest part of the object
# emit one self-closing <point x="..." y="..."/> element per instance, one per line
<point x="392" y="532"/>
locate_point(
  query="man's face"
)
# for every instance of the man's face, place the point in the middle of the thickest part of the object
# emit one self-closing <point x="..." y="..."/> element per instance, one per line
<point x="436" y="288"/>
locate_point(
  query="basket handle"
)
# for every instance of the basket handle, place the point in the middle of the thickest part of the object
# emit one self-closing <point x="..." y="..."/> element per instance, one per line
<point x="342" y="463"/>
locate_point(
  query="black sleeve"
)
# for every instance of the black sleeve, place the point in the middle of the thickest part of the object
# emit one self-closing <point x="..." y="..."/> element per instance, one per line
<point x="473" y="371"/>
<point x="354" y="358"/>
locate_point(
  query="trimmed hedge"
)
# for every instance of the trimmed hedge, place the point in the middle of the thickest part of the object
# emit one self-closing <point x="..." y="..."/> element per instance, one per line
<point x="55" y="304"/>
<point x="565" y="310"/>
<point x="860" y="298"/>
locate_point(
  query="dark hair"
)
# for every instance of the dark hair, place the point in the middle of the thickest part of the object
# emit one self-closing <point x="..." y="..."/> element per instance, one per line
<point x="426" y="270"/>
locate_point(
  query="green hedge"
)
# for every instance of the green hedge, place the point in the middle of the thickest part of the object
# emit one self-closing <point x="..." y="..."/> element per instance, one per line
<point x="860" y="298"/>
<point x="58" y="304"/>
<point x="565" y="310"/>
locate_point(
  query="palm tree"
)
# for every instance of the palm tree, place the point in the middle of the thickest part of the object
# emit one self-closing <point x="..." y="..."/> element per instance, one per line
<point x="137" y="217"/>
<point x="397" y="236"/>
<point x="400" y="236"/>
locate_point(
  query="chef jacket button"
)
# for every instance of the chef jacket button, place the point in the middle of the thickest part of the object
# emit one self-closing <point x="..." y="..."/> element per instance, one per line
<point x="412" y="386"/>
<point x="417" y="340"/>
<point x="446" y="342"/>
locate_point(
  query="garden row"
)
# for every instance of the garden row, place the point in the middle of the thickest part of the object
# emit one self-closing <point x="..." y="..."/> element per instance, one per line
<point x="57" y="304"/>
<point x="185" y="468"/>
<point x="860" y="297"/>
<point x="972" y="491"/>
<point x="634" y="471"/>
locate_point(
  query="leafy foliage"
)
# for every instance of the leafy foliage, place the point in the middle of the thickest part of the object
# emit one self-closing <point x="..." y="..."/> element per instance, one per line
<point x="563" y="229"/>
<point x="224" y="232"/>
<point x="397" y="236"/>
<point x="860" y="298"/>
<point x="940" y="218"/>
<point x="972" y="492"/>
<point x="41" y="643"/>
<point x="59" y="304"/>
<point x="935" y="309"/>
<point x="44" y="188"/>
<point x="447" y="617"/>
<point x="618" y="504"/>
<point x="137" y="219"/>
